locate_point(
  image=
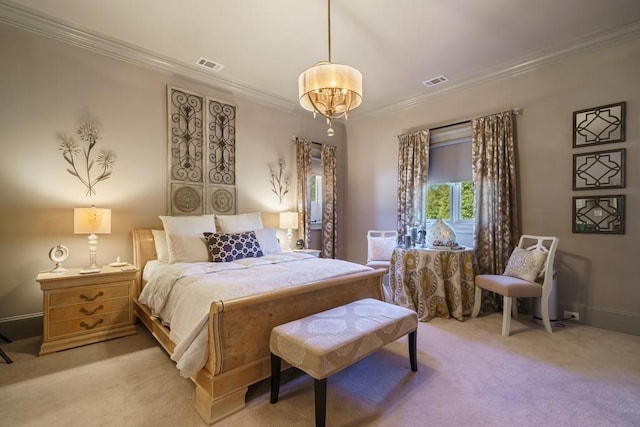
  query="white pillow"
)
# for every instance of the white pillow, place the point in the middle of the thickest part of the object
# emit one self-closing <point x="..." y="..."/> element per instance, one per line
<point x="160" y="240"/>
<point x="189" y="229"/>
<point x="239" y="223"/>
<point x="186" y="248"/>
<point x="525" y="264"/>
<point x="268" y="240"/>
<point x="380" y="248"/>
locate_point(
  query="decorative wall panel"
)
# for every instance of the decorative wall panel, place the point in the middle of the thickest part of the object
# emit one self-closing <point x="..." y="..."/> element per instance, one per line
<point x="599" y="125"/>
<point x="202" y="152"/>
<point x="597" y="170"/>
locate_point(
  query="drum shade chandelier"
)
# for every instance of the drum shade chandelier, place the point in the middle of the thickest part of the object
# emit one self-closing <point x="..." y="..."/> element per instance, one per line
<point x="328" y="89"/>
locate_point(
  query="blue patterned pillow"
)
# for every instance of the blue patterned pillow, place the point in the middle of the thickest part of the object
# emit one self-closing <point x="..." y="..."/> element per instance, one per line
<point x="226" y="247"/>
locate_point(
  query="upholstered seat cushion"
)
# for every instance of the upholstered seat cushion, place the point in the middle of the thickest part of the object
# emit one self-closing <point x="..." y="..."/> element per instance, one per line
<point x="324" y="343"/>
<point x="508" y="286"/>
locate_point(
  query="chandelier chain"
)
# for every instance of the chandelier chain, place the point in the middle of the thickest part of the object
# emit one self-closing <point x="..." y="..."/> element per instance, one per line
<point x="329" y="26"/>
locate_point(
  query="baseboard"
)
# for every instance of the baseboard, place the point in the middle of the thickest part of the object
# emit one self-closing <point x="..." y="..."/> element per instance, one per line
<point x="613" y="320"/>
<point x="19" y="327"/>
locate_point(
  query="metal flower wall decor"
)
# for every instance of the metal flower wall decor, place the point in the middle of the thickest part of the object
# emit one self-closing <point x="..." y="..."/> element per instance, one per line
<point x="79" y="156"/>
<point x="280" y="180"/>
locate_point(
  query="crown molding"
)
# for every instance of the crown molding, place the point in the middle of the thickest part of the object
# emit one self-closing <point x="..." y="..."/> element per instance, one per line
<point x="34" y="21"/>
<point x="517" y="67"/>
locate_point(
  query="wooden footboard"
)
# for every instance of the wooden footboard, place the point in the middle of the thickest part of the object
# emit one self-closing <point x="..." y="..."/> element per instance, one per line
<point x="239" y="330"/>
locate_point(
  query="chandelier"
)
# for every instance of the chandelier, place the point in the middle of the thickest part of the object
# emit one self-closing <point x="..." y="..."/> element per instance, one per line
<point x="328" y="89"/>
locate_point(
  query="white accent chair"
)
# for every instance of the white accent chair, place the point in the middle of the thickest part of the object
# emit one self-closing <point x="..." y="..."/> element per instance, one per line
<point x="380" y="246"/>
<point x="526" y="275"/>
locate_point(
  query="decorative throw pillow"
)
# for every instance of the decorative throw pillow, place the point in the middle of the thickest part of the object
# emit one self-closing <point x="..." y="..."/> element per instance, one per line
<point x="268" y="240"/>
<point x="160" y="240"/>
<point x="239" y="223"/>
<point x="226" y="247"/>
<point x="380" y="248"/>
<point x="525" y="264"/>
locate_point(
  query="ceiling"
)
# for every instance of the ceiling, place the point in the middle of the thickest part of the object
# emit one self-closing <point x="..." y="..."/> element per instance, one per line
<point x="264" y="45"/>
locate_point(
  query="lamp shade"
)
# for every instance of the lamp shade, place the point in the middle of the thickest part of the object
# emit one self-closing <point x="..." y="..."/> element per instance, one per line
<point x="330" y="89"/>
<point x="289" y="220"/>
<point x="91" y="220"/>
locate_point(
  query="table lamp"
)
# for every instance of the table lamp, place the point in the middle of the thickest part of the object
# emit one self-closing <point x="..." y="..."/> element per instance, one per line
<point x="289" y="221"/>
<point x="92" y="221"/>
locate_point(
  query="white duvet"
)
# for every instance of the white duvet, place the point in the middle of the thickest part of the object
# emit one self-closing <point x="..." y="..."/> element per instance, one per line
<point x="181" y="294"/>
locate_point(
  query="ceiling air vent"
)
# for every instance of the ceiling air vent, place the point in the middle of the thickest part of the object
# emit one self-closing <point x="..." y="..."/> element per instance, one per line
<point x="435" y="81"/>
<point x="209" y="64"/>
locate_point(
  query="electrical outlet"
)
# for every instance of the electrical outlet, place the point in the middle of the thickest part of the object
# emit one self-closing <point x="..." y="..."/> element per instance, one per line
<point x="571" y="315"/>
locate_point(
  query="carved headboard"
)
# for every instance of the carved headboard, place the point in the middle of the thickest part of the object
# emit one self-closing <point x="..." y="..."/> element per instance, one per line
<point x="144" y="249"/>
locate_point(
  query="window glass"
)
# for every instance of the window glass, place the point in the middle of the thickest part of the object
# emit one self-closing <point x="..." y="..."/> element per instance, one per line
<point x="449" y="184"/>
<point x="316" y="200"/>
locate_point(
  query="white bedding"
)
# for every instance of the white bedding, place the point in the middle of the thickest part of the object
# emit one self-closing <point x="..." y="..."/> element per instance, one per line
<point x="181" y="294"/>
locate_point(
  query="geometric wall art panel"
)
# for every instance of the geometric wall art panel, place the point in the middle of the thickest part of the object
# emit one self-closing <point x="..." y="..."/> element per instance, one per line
<point x="201" y="154"/>
<point x="598" y="214"/>
<point x="599" y="170"/>
<point x="599" y="125"/>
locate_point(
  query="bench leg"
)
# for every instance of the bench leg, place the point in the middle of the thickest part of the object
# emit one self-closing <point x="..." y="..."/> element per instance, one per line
<point x="275" y="377"/>
<point x="321" y="401"/>
<point x="413" y="340"/>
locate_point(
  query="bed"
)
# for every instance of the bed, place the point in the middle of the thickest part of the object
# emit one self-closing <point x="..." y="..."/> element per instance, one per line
<point x="238" y="329"/>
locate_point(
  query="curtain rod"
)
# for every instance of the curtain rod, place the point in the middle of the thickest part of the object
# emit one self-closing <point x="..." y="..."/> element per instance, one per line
<point x="515" y="111"/>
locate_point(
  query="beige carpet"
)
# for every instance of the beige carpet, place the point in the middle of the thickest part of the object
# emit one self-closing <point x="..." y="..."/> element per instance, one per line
<point x="468" y="375"/>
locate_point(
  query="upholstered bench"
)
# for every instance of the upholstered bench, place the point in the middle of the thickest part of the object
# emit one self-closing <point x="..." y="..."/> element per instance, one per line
<point x="327" y="342"/>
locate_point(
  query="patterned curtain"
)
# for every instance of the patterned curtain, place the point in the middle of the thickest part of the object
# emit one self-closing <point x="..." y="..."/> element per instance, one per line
<point x="413" y="167"/>
<point x="303" y="167"/>
<point x="495" y="190"/>
<point x="329" y="202"/>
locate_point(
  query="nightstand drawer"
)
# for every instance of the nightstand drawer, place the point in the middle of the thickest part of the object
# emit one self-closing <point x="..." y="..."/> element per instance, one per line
<point x="82" y="309"/>
<point x="78" y="311"/>
<point x="89" y="294"/>
<point x="89" y="324"/>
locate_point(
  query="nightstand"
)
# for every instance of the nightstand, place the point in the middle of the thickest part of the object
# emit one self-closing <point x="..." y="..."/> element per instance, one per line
<point x="83" y="309"/>
<point x="314" y="252"/>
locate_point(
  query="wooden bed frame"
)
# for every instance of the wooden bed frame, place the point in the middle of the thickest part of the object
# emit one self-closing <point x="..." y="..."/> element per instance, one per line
<point x="239" y="329"/>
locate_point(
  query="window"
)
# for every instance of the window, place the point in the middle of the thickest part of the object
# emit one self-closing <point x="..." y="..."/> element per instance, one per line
<point x="451" y="201"/>
<point x="316" y="201"/>
<point x="450" y="184"/>
<point x="316" y="191"/>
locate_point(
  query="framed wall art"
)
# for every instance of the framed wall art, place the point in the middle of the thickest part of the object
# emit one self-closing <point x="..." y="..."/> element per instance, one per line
<point x="599" y="125"/>
<point x="202" y="154"/>
<point x="599" y="170"/>
<point x="598" y="214"/>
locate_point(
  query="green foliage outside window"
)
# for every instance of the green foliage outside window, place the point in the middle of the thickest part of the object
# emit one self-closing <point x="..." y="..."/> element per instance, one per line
<point x="439" y="201"/>
<point x="466" y="200"/>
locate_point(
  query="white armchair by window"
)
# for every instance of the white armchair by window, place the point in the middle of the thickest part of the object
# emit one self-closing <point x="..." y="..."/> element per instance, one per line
<point x="380" y="246"/>
<point x="529" y="273"/>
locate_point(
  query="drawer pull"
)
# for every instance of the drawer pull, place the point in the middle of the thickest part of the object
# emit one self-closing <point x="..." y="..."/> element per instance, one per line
<point x="84" y="325"/>
<point x="86" y="298"/>
<point x="89" y="313"/>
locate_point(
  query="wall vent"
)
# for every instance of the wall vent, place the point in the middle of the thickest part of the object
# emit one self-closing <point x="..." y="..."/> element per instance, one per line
<point x="435" y="81"/>
<point x="209" y="64"/>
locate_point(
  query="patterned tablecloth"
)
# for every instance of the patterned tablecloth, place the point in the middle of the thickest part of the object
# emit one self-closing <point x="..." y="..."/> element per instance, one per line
<point x="433" y="282"/>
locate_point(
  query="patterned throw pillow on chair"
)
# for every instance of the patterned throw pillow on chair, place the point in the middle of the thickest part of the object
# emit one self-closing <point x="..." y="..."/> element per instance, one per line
<point x="525" y="264"/>
<point x="380" y="248"/>
<point x="226" y="247"/>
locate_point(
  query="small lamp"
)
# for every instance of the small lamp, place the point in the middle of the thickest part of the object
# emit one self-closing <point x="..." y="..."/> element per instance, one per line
<point x="92" y="221"/>
<point x="289" y="221"/>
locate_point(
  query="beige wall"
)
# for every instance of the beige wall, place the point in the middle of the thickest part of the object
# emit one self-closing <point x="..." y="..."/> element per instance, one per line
<point x="47" y="87"/>
<point x="598" y="275"/>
